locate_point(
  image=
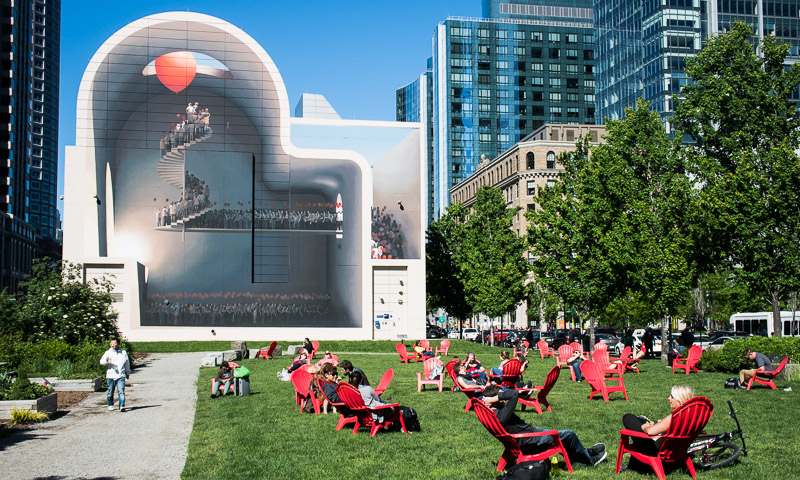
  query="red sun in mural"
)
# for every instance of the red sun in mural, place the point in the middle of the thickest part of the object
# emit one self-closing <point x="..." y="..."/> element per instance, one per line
<point x="176" y="70"/>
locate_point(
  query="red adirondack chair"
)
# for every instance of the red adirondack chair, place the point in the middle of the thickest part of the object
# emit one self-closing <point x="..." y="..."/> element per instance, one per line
<point x="313" y="354"/>
<point x="443" y="347"/>
<point x="404" y="355"/>
<point x="301" y="379"/>
<point x="471" y="393"/>
<point x="424" y="377"/>
<point x="267" y="352"/>
<point x="626" y="361"/>
<point x="346" y="416"/>
<point x="688" y="363"/>
<point x="544" y="348"/>
<point x="564" y="352"/>
<point x="541" y="398"/>
<point x="593" y="373"/>
<point x="577" y="346"/>
<point x="386" y="379"/>
<point x="512" y="453"/>
<point x="352" y="399"/>
<point x="600" y="346"/>
<point x="767" y="376"/>
<point x="686" y="424"/>
<point x="231" y="387"/>
<point x="601" y="358"/>
<point x="511" y="372"/>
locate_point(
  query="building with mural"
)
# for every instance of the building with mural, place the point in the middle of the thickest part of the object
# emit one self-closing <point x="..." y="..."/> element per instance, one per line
<point x="213" y="209"/>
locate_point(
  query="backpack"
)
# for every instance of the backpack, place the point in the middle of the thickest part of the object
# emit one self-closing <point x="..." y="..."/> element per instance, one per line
<point x="436" y="372"/>
<point x="535" y="470"/>
<point x="410" y="419"/>
<point x="732" y="382"/>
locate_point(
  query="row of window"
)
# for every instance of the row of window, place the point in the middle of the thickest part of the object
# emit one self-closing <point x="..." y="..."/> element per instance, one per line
<point x="521" y="35"/>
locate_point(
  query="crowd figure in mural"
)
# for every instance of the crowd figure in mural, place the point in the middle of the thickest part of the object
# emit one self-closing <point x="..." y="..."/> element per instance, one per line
<point x="195" y="124"/>
<point x="195" y="199"/>
<point x="266" y="219"/>
<point x="387" y="238"/>
<point x="175" y="313"/>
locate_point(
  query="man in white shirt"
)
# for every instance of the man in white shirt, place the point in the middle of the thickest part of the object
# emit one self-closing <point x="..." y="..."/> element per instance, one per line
<point x="118" y="368"/>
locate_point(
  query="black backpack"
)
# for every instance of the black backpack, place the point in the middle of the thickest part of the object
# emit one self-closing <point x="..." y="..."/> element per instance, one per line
<point x="732" y="382"/>
<point x="410" y="419"/>
<point x="535" y="470"/>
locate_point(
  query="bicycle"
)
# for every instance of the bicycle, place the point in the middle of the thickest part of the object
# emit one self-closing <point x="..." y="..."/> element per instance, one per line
<point x="717" y="450"/>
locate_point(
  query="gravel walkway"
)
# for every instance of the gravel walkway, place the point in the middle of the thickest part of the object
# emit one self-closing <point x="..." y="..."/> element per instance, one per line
<point x="149" y="441"/>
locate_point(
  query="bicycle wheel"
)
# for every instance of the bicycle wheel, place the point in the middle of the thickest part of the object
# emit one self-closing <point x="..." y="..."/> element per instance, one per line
<point x="719" y="455"/>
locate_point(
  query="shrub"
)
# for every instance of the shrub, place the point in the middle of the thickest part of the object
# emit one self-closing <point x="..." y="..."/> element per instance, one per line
<point x="21" y="415"/>
<point x="729" y="357"/>
<point x="23" y="389"/>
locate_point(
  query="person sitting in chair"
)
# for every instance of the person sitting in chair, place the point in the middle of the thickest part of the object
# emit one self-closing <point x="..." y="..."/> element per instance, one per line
<point x="223" y="379"/>
<point x="503" y="404"/>
<point x="763" y="364"/>
<point x="574" y="363"/>
<point x="463" y="379"/>
<point x="348" y="369"/>
<point x="301" y="360"/>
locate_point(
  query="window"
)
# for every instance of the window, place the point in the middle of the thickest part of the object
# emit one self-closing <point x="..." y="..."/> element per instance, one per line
<point x="484" y="65"/>
<point x="531" y="207"/>
<point x="572" y="112"/>
<point x="502" y="108"/>
<point x="572" y="38"/>
<point x="483" y="79"/>
<point x="537" y="67"/>
<point x="588" y="38"/>
<point x="555" y="68"/>
<point x="588" y="83"/>
<point x="485" y="137"/>
<point x="531" y="187"/>
<point x="555" y="82"/>
<point x="555" y="53"/>
<point x="555" y="111"/>
<point x="588" y="54"/>
<point x="572" y="68"/>
<point x="537" y="81"/>
<point x="502" y="79"/>
<point x="536" y="52"/>
<point x="588" y="97"/>
<point x="483" y="33"/>
<point x="554" y="37"/>
<point x="529" y="163"/>
<point x="537" y="36"/>
<point x="572" y="54"/>
<point x="588" y="69"/>
<point x="502" y="34"/>
<point x="484" y="93"/>
<point x="518" y="35"/>
<point x="555" y="96"/>
<point x="483" y="50"/>
<point x="572" y="83"/>
<point x="531" y="258"/>
<point x="551" y="162"/>
<point x="501" y="64"/>
<point x="572" y="97"/>
<point x="551" y="183"/>
<point x="484" y="107"/>
<point x="501" y="50"/>
<point x="519" y="51"/>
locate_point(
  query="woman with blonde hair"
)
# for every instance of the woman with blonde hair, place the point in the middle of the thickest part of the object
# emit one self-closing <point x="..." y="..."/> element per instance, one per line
<point x="679" y="395"/>
<point x="503" y="359"/>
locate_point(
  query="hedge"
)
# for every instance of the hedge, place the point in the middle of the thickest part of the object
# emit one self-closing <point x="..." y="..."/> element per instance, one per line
<point x="729" y="357"/>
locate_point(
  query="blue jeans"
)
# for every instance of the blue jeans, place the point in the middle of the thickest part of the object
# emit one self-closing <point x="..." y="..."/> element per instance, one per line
<point x="120" y="384"/>
<point x="224" y="387"/>
<point x="576" y="452"/>
<point x="577" y="368"/>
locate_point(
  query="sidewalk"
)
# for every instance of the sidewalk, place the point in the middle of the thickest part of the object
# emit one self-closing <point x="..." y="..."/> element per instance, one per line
<point x="149" y="441"/>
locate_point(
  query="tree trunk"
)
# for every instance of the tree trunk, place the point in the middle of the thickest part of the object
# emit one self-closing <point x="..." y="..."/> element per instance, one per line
<point x="666" y="343"/>
<point x="776" y="314"/>
<point x="591" y="333"/>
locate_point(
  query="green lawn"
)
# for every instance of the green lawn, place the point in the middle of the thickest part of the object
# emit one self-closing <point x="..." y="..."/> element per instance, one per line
<point x="265" y="435"/>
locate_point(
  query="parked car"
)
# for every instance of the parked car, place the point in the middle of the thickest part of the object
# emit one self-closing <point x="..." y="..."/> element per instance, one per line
<point x="610" y="340"/>
<point x="470" y="334"/>
<point x="433" y="332"/>
<point x="548" y="337"/>
<point x="454" y="333"/>
<point x="563" y="336"/>
<point x="726" y="333"/>
<point x="718" y="342"/>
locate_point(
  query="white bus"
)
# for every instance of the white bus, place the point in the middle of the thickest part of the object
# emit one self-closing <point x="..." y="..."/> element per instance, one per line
<point x="753" y="321"/>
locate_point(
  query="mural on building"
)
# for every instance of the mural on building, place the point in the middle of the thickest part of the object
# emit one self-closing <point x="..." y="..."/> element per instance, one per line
<point x="240" y="216"/>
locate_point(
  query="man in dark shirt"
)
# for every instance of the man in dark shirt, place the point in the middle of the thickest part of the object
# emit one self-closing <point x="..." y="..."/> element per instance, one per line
<point x="503" y="404"/>
<point x="687" y="338"/>
<point x="763" y="364"/>
<point x="348" y="368"/>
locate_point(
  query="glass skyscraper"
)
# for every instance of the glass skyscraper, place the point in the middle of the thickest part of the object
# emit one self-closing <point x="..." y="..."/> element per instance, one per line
<point x="642" y="45"/>
<point x="496" y="79"/>
<point x="29" y="54"/>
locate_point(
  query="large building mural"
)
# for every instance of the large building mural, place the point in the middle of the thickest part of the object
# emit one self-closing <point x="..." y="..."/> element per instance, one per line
<point x="215" y="210"/>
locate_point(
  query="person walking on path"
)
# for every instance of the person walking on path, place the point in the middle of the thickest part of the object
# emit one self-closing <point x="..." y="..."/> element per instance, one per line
<point x="118" y="369"/>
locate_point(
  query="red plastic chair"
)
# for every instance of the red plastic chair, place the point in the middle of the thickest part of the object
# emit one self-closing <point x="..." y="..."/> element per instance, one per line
<point x="577" y="346"/>
<point x="600" y="346"/>
<point x="424" y="377"/>
<point x="267" y="352"/>
<point x="352" y="399"/>
<point x="471" y="393"/>
<point x="564" y="352"/>
<point x="601" y="358"/>
<point x="386" y="379"/>
<point x="687" y="422"/>
<point x="346" y="416"/>
<point x="626" y="361"/>
<point x="404" y="355"/>
<point x="594" y="375"/>
<point x="767" y="376"/>
<point x="313" y="353"/>
<point x="231" y="387"/>
<point x="512" y="453"/>
<point x="511" y="372"/>
<point x="443" y="347"/>
<point x="690" y="361"/>
<point x="301" y="379"/>
<point x="544" y="349"/>
<point x="541" y="398"/>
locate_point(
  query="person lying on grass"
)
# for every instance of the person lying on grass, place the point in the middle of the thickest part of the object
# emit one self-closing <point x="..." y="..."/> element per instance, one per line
<point x="679" y="395"/>
<point x="503" y="404"/>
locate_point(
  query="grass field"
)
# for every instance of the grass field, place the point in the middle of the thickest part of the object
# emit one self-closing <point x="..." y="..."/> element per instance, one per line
<point x="265" y="435"/>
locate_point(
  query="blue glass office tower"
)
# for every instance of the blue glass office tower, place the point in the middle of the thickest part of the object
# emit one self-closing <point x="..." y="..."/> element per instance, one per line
<point x="642" y="45"/>
<point x="496" y="79"/>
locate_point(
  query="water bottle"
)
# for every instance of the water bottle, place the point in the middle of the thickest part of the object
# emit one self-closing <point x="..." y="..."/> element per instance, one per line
<point x="554" y="471"/>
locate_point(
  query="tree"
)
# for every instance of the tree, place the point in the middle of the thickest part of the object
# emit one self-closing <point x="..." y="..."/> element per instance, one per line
<point x="444" y="288"/>
<point x="57" y="305"/>
<point x="489" y="254"/>
<point x="745" y="134"/>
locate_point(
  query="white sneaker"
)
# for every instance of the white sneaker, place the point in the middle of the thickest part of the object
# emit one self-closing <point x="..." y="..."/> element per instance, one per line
<point x="110" y="408"/>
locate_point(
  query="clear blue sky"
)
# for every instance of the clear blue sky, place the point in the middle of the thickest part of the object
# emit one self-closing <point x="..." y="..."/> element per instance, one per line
<point x="354" y="52"/>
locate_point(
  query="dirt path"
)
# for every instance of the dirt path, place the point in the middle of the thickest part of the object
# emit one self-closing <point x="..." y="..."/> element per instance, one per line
<point x="149" y="441"/>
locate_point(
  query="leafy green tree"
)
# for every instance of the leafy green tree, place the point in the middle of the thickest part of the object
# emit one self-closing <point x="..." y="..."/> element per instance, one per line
<point x="745" y="134"/>
<point x="57" y="304"/>
<point x="489" y="254"/>
<point x="444" y="288"/>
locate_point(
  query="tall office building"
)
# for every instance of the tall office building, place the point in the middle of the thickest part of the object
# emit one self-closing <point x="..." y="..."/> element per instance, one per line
<point x="642" y="46"/>
<point x="29" y="73"/>
<point x="497" y="78"/>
